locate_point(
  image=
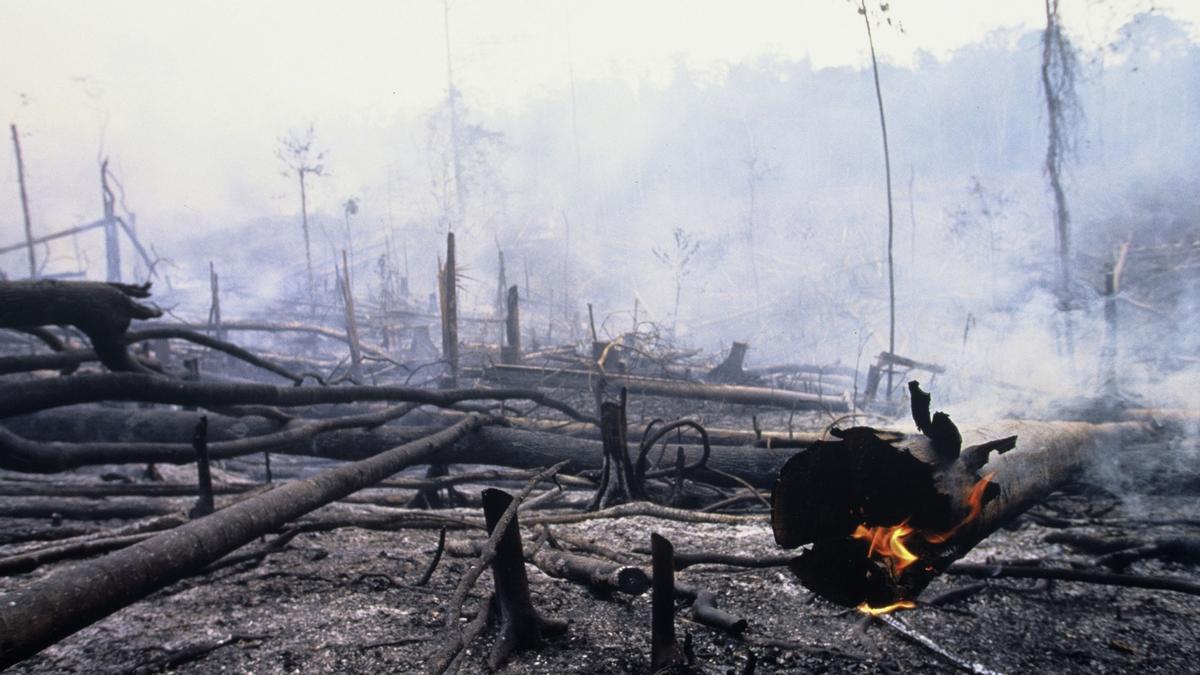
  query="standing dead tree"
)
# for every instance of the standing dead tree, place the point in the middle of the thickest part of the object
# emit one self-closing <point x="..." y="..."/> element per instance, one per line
<point x="1059" y="68"/>
<point x="16" y="139"/>
<point x="299" y="154"/>
<point x="887" y="168"/>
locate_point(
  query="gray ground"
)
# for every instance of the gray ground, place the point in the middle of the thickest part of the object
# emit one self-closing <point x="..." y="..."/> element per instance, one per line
<point x="344" y="601"/>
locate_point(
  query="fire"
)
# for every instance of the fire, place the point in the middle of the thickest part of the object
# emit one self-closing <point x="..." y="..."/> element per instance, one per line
<point x="876" y="611"/>
<point x="888" y="543"/>
<point x="975" y="501"/>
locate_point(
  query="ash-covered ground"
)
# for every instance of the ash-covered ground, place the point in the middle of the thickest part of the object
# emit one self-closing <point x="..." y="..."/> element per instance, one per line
<point x="346" y="601"/>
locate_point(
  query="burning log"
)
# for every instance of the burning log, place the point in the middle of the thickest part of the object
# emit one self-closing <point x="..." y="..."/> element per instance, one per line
<point x="886" y="512"/>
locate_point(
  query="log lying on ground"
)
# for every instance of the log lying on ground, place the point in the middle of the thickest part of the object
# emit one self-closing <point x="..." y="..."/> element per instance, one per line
<point x="45" y="611"/>
<point x="886" y="514"/>
<point x="285" y="327"/>
<point x="70" y="438"/>
<point x="716" y="435"/>
<point x="103" y="311"/>
<point x="26" y="397"/>
<point x="649" y="386"/>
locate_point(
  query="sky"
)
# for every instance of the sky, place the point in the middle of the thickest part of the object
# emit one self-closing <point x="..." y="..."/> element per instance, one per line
<point x="199" y="92"/>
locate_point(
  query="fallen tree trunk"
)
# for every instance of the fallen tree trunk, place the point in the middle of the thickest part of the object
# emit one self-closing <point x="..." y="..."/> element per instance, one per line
<point x="45" y="611"/>
<point x="56" y="440"/>
<point x="649" y="386"/>
<point x="26" y="397"/>
<point x="286" y="327"/>
<point x="884" y="522"/>
<point x="103" y="311"/>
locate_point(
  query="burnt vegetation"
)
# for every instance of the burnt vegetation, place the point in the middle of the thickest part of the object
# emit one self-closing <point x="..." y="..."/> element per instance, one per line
<point x="517" y="459"/>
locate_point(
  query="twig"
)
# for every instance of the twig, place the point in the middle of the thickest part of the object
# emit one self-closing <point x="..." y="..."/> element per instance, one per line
<point x="437" y="556"/>
<point x="644" y="509"/>
<point x="913" y="636"/>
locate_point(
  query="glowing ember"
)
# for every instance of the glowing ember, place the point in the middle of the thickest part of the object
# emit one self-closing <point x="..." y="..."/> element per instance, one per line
<point x="876" y="611"/>
<point x="888" y="542"/>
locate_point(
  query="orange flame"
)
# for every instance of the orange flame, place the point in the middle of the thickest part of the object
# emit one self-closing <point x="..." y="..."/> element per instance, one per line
<point x="889" y="542"/>
<point x="975" y="501"/>
<point x="876" y="611"/>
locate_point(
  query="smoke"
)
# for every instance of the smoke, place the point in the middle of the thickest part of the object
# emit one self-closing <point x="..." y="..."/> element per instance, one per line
<point x="773" y="169"/>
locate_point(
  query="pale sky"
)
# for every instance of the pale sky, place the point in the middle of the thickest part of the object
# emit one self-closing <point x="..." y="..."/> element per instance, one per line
<point x="191" y="93"/>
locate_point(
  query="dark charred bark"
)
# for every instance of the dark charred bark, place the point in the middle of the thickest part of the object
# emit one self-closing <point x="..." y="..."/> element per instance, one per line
<point x="842" y="497"/>
<point x="57" y="440"/>
<point x="521" y="626"/>
<point x="46" y="610"/>
<point x="649" y="386"/>
<point x="664" y="650"/>
<point x="618" y="484"/>
<point x="103" y="311"/>
<point x="27" y="397"/>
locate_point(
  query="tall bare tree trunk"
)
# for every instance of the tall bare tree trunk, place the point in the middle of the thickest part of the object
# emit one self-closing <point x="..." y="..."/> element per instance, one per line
<point x="887" y="167"/>
<point x="451" y="93"/>
<point x="1058" y="75"/>
<point x="307" y="245"/>
<point x="24" y="200"/>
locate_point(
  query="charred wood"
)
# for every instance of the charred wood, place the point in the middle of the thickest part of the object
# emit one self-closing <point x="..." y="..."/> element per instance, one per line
<point x="44" y="611"/>
<point x="648" y="386"/>
<point x="103" y="311"/>
<point x="57" y="440"/>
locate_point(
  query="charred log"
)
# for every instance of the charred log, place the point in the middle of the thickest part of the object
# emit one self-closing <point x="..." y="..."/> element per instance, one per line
<point x="40" y="613"/>
<point x="57" y="440"/>
<point x="103" y="311"/>
<point x="650" y="386"/>
<point x="888" y="513"/>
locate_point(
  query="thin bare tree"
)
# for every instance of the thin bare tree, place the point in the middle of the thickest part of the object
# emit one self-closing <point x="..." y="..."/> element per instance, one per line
<point x="299" y="154"/>
<point x="1059" y="69"/>
<point x="887" y="168"/>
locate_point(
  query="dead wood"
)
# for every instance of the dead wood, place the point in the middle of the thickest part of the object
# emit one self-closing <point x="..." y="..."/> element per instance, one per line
<point x="47" y="610"/>
<point x="730" y="370"/>
<point x="204" y="501"/>
<point x="179" y="333"/>
<point x="522" y="625"/>
<point x="602" y="577"/>
<point x="649" y="386"/>
<point x="997" y="571"/>
<point x="25" y="562"/>
<point x="103" y="311"/>
<point x="664" y="651"/>
<point x="56" y="440"/>
<point x="888" y="513"/>
<point x="618" y="484"/>
<point x="120" y="508"/>
<point x="433" y="562"/>
<point x="27" y="397"/>
<point x="1119" y="553"/>
<point x="281" y="327"/>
